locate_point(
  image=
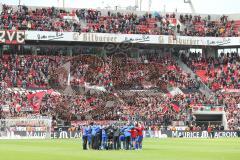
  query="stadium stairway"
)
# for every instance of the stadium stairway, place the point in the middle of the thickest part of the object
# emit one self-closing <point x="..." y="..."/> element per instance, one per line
<point x="203" y="88"/>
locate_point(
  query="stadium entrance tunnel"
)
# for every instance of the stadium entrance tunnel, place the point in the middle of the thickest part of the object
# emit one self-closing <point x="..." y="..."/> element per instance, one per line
<point x="206" y="119"/>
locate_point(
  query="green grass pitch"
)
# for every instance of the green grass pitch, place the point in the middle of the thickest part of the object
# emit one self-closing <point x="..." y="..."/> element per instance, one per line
<point x="154" y="149"/>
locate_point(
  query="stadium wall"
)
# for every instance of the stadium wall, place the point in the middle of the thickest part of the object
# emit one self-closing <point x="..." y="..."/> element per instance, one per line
<point x="147" y="134"/>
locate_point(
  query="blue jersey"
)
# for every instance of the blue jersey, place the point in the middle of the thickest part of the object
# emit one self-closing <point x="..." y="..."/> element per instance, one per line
<point x="89" y="131"/>
<point x="123" y="128"/>
<point x="121" y="138"/>
<point x="93" y="130"/>
<point x="127" y="132"/>
<point x="97" y="129"/>
<point x="85" y="131"/>
<point x="104" y="134"/>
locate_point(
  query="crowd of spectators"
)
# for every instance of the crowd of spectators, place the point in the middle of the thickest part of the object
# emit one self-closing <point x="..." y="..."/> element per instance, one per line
<point x="127" y="23"/>
<point x="24" y="71"/>
<point x="151" y="108"/>
<point x="114" y="74"/>
<point x="91" y="69"/>
<point x="153" y="72"/>
<point x="33" y="72"/>
<point x="88" y="106"/>
<point x="28" y="71"/>
<point x="90" y="20"/>
<point x="232" y="102"/>
<point x="39" y="19"/>
<point x="154" y="108"/>
<point x="218" y="73"/>
<point x="221" y="74"/>
<point x="199" y="26"/>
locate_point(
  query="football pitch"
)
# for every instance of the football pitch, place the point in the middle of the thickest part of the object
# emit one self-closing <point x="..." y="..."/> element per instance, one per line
<point x="154" y="149"/>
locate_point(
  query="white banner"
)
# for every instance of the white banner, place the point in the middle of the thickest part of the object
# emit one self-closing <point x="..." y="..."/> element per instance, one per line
<point x="175" y="91"/>
<point x="5" y="108"/>
<point x="12" y="37"/>
<point x="231" y="90"/>
<point x="130" y="38"/>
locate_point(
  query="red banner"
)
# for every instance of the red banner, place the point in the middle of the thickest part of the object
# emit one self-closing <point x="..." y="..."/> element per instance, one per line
<point x="165" y="109"/>
<point x="175" y="107"/>
<point x="36" y="100"/>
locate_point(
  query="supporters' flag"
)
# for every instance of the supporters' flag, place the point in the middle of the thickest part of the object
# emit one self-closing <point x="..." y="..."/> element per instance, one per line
<point x="18" y="107"/>
<point x="175" y="91"/>
<point x="63" y="73"/>
<point x="90" y="100"/>
<point x="50" y="91"/>
<point x="35" y="100"/>
<point x="172" y="68"/>
<point x="175" y="107"/>
<point x="64" y="78"/>
<point x="165" y="109"/>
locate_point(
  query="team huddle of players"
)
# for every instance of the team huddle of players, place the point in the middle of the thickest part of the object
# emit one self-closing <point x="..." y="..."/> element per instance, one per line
<point x="128" y="137"/>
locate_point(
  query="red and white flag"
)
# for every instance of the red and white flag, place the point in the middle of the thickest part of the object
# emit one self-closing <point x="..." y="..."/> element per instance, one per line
<point x="35" y="100"/>
<point x="165" y="109"/>
<point x="175" y="107"/>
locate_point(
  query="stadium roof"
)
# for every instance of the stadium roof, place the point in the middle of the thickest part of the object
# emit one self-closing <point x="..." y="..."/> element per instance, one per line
<point x="201" y="6"/>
